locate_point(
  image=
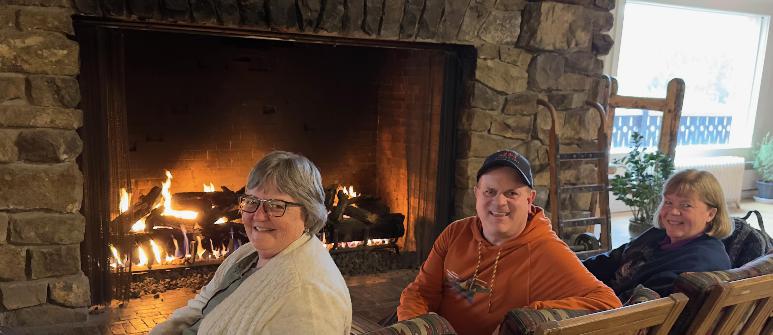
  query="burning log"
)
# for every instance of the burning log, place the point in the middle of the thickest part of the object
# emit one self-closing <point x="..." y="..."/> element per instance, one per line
<point x="225" y="200"/>
<point x="343" y="202"/>
<point x="142" y="208"/>
<point x="156" y="219"/>
<point x="351" y="229"/>
<point x="362" y="214"/>
<point x="224" y="231"/>
<point x="357" y="217"/>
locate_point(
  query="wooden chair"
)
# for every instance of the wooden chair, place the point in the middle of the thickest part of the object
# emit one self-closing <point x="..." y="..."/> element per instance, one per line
<point x="654" y="317"/>
<point x="427" y="324"/>
<point x="671" y="106"/>
<point x="700" y="287"/>
<point x="744" y="305"/>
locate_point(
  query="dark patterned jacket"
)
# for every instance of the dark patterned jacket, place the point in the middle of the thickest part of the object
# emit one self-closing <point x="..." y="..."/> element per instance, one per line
<point x="747" y="243"/>
<point x="642" y="261"/>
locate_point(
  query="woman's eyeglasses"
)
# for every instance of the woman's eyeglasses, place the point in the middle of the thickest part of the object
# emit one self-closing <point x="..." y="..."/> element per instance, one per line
<point x="272" y="207"/>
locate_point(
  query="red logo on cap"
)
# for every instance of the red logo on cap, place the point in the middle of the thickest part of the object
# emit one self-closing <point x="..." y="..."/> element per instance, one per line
<point x="510" y="155"/>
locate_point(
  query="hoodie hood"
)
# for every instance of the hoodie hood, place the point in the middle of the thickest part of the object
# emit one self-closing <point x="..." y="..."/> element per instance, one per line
<point x="537" y="228"/>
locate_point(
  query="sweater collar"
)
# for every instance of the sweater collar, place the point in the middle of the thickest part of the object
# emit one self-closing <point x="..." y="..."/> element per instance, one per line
<point x="536" y="226"/>
<point x="666" y="243"/>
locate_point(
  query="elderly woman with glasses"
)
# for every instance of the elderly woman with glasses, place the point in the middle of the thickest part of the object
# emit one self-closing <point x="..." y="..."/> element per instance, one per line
<point x="690" y="222"/>
<point x="282" y="282"/>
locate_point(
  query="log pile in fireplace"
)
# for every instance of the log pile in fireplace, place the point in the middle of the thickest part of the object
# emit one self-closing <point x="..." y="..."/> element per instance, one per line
<point x="358" y="220"/>
<point x="164" y="230"/>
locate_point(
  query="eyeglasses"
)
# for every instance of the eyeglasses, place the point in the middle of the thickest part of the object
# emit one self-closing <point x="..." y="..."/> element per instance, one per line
<point x="272" y="207"/>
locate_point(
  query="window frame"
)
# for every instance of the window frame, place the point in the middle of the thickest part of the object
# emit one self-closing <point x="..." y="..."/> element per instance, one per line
<point x="759" y="118"/>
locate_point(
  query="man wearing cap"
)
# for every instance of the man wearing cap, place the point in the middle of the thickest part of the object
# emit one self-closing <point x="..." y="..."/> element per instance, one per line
<point x="505" y="257"/>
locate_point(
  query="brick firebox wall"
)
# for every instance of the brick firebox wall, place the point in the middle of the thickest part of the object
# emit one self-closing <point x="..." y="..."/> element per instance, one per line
<point x="208" y="108"/>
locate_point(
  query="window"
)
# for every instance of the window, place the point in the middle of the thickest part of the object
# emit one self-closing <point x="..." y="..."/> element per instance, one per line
<point x="718" y="54"/>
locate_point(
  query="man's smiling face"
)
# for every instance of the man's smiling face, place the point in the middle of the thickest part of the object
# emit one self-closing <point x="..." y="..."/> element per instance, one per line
<point x="502" y="202"/>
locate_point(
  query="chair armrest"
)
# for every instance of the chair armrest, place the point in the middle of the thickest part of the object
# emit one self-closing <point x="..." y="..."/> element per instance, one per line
<point x="427" y="324"/>
<point x="524" y="321"/>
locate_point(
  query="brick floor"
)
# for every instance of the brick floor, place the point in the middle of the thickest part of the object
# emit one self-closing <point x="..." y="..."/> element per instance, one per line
<point x="374" y="297"/>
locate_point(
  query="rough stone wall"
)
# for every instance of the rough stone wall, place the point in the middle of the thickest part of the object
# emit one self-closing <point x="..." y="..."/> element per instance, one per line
<point x="41" y="186"/>
<point x="525" y="50"/>
<point x="554" y="56"/>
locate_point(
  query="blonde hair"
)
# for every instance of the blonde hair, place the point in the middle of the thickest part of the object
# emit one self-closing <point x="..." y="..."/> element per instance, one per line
<point x="707" y="188"/>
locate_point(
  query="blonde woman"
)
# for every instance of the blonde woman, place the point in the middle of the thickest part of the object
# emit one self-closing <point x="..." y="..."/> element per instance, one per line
<point x="692" y="219"/>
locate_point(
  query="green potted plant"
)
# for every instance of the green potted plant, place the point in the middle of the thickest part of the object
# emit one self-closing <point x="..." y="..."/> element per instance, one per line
<point x="641" y="185"/>
<point x="763" y="164"/>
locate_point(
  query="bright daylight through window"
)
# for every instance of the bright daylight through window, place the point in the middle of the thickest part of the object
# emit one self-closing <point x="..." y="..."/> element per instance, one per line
<point x="718" y="54"/>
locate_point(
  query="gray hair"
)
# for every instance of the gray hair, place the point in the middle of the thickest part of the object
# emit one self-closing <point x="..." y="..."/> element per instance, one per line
<point x="296" y="176"/>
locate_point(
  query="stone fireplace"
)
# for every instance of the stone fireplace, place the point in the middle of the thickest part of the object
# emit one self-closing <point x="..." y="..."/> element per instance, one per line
<point x="50" y="213"/>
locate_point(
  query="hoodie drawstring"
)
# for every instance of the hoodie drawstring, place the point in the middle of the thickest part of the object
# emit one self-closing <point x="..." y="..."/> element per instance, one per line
<point x="493" y="275"/>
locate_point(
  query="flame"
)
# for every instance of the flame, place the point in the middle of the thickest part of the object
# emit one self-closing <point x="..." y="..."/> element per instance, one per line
<point x="143" y="256"/>
<point x="123" y="205"/>
<point x="176" y="246"/>
<point x="156" y="251"/>
<point x="350" y="192"/>
<point x="168" y="210"/>
<point x="116" y="256"/>
<point x="221" y="220"/>
<point x="199" y="246"/>
<point x="377" y="241"/>
<point x="219" y="251"/>
<point x="139" y="225"/>
<point x="186" y="243"/>
<point x="209" y="188"/>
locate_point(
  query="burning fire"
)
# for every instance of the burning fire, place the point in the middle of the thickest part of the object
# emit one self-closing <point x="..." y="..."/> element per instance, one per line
<point x="123" y="205"/>
<point x="350" y="192"/>
<point x="139" y="226"/>
<point x="143" y="256"/>
<point x="168" y="210"/>
<point x="160" y="256"/>
<point x="209" y="188"/>
<point x="118" y="261"/>
<point x="156" y="251"/>
<point x="355" y="244"/>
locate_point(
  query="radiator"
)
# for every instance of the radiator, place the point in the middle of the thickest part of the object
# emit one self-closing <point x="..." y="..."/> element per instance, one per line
<point x="729" y="170"/>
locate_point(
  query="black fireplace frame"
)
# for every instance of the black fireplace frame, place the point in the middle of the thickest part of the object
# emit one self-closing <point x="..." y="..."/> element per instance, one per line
<point x="103" y="104"/>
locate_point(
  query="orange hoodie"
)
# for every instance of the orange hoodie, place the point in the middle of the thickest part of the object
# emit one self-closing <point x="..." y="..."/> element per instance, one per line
<point x="535" y="269"/>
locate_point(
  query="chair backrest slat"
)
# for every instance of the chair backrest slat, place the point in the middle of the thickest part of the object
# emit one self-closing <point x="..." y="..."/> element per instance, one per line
<point x="656" y="315"/>
<point x="761" y="315"/>
<point x="730" y="303"/>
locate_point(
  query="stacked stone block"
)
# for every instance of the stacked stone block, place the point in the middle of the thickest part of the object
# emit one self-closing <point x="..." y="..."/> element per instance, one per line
<point x="41" y="186"/>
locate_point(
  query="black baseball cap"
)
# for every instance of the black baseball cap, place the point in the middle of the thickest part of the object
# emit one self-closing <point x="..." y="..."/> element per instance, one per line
<point x="508" y="158"/>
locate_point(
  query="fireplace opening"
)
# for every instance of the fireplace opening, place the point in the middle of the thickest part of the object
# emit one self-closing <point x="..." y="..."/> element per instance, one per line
<point x="175" y="120"/>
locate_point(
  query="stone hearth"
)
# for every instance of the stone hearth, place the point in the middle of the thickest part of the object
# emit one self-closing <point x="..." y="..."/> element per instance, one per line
<point x="524" y="50"/>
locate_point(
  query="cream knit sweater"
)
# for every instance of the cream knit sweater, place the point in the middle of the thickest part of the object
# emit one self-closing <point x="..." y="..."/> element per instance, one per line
<point x="300" y="291"/>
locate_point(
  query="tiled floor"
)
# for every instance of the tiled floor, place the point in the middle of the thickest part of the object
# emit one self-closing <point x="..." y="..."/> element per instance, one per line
<point x="373" y="296"/>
